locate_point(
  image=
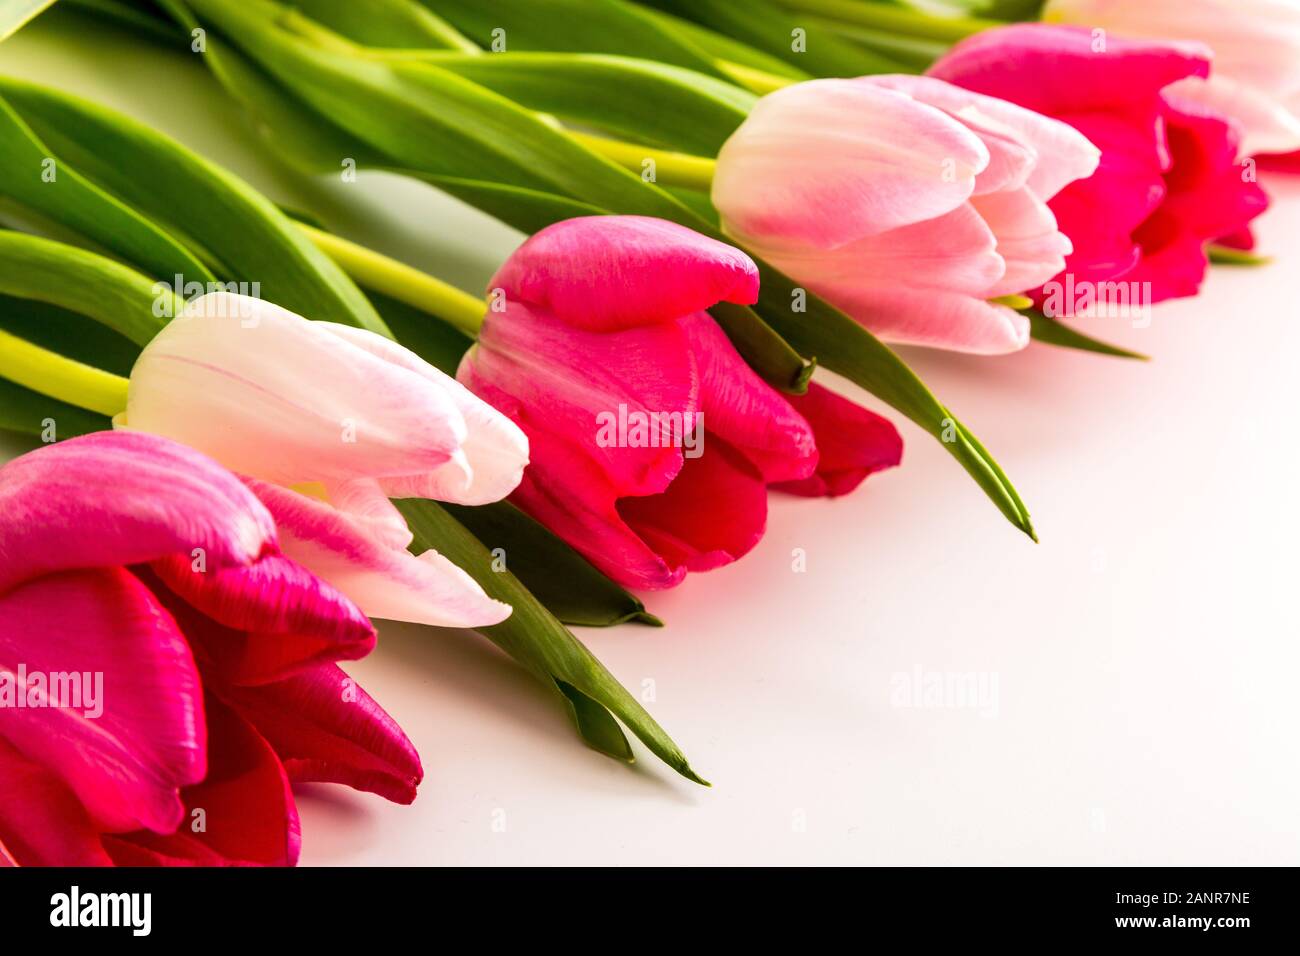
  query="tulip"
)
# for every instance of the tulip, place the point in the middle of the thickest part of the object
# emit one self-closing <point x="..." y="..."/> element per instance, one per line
<point x="905" y="201"/>
<point x="327" y="422"/>
<point x="1256" y="44"/>
<point x="653" y="443"/>
<point x="1167" y="183"/>
<point x="203" y="659"/>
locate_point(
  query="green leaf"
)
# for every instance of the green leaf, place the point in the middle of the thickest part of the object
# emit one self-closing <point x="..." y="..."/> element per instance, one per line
<point x="40" y="180"/>
<point x="772" y="29"/>
<point x="571" y="587"/>
<point x="1227" y="256"/>
<point x="692" y="113"/>
<point x="235" y="229"/>
<point x="31" y="413"/>
<point x="1052" y="332"/>
<point x="575" y="26"/>
<point x="14" y="14"/>
<point x="534" y="638"/>
<point x="762" y="349"/>
<point x="723" y="47"/>
<point x="845" y="347"/>
<point x="387" y="23"/>
<point x="80" y="281"/>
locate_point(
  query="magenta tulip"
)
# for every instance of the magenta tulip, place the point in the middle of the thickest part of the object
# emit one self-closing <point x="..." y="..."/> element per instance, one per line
<point x="167" y="672"/>
<point x="652" y="442"/>
<point x="1168" y="182"/>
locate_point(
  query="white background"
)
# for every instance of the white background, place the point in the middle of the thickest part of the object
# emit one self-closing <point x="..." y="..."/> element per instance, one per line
<point x="1145" y="653"/>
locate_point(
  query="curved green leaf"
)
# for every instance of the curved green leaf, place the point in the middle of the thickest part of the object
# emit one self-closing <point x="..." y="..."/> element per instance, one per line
<point x="534" y="638"/>
<point x="120" y="298"/>
<point x="778" y="32"/>
<point x="1052" y="332"/>
<point x="564" y="581"/>
<point x="40" y="180"/>
<point x="244" y="236"/>
<point x="692" y="113"/>
<point x="387" y="23"/>
<point x="573" y="26"/>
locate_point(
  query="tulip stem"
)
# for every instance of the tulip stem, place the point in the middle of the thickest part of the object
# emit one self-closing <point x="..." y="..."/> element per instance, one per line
<point x="754" y="80"/>
<point x="670" y="169"/>
<point x="892" y="19"/>
<point x="376" y="271"/>
<point x="61" y="377"/>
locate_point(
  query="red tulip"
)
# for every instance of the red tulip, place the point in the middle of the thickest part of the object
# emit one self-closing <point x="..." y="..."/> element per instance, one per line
<point x="1168" y="182"/>
<point x="652" y="442"/>
<point x="167" y="671"/>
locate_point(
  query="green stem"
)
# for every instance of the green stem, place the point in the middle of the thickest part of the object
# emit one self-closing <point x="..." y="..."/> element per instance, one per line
<point x="752" y="79"/>
<point x="896" y="20"/>
<point x="671" y="169"/>
<point x="60" y="377"/>
<point x="402" y="282"/>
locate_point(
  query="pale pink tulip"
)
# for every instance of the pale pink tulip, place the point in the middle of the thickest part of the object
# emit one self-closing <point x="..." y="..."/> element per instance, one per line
<point x="327" y="422"/>
<point x="905" y="201"/>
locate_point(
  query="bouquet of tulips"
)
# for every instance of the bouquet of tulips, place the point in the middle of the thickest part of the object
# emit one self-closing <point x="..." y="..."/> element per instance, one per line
<point x="254" y="435"/>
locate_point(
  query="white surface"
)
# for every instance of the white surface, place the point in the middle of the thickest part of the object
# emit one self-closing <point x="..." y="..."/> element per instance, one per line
<point x="1145" y="654"/>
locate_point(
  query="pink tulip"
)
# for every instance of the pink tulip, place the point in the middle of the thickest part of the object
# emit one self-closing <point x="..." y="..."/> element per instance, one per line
<point x="905" y="201"/>
<point x="1256" y="43"/>
<point x="606" y="359"/>
<point x="1167" y="183"/>
<point x="153" y="577"/>
<point x="327" y="423"/>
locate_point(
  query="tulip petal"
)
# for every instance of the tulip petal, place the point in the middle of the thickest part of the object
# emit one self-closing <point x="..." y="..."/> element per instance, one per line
<point x="823" y="163"/>
<point x="1028" y="240"/>
<point x="324" y="727"/>
<point x="127" y="752"/>
<point x="1058" y="70"/>
<point x="492" y="457"/>
<point x="385" y="582"/>
<point x="607" y="273"/>
<point x="41" y="821"/>
<point x="739" y="407"/>
<point x="956" y="252"/>
<point x="274" y="396"/>
<point x="263" y="623"/>
<point x="116" y="498"/>
<point x="712" y="514"/>
<point x="853" y="443"/>
<point x="1059" y="154"/>
<point x="365" y="499"/>
<point x="568" y="492"/>
<point x="242" y="814"/>
<point x="580" y="385"/>
<point x="946" y="320"/>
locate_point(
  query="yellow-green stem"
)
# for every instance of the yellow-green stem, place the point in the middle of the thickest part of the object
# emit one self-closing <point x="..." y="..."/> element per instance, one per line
<point x="670" y="169"/>
<point x="754" y="80"/>
<point x="891" y="19"/>
<point x="61" y="377"/>
<point x="402" y="282"/>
